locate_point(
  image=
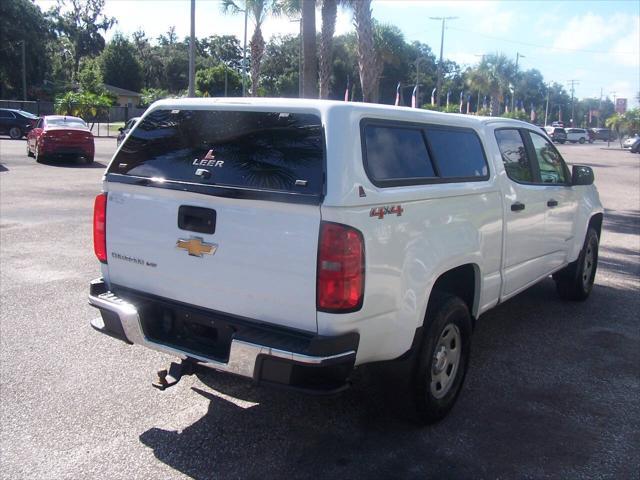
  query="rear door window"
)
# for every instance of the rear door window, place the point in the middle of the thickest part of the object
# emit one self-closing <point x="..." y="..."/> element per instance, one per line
<point x="275" y="151"/>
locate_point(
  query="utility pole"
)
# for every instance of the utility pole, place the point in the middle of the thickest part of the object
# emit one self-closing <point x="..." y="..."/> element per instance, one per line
<point x="481" y="61"/>
<point x="192" y="42"/>
<point x="244" y="53"/>
<point x="600" y="108"/>
<point x="573" y="84"/>
<point x="513" y="94"/>
<point x="439" y="81"/>
<point x="614" y="101"/>
<point x="24" y="73"/>
<point x="546" y="108"/>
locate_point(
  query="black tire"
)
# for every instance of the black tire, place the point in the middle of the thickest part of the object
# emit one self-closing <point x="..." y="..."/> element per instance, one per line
<point x="561" y="141"/>
<point x="88" y="160"/>
<point x="446" y="316"/>
<point x="15" y="133"/>
<point x="575" y="281"/>
<point x="38" y="156"/>
<point x="582" y="140"/>
<point x="29" y="152"/>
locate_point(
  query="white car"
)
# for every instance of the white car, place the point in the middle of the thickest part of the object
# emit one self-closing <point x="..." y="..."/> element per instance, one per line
<point x="291" y="241"/>
<point x="577" y="135"/>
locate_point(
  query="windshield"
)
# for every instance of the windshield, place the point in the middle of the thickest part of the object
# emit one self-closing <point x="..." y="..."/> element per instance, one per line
<point x="66" y="122"/>
<point x="278" y="151"/>
<point x="27" y="114"/>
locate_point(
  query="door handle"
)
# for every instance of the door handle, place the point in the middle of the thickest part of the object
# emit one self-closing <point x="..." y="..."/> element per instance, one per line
<point x="516" y="207"/>
<point x="552" y="203"/>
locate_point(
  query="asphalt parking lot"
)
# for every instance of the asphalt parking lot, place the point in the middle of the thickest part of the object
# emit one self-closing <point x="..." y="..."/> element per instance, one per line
<point x="553" y="389"/>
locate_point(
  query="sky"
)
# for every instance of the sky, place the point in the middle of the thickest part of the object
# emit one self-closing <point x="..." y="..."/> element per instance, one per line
<point x="596" y="43"/>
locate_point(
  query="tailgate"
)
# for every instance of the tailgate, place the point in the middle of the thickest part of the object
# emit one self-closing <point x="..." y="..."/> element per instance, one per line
<point x="263" y="267"/>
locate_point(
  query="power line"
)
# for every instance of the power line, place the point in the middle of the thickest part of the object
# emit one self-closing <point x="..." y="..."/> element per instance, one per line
<point x="537" y="45"/>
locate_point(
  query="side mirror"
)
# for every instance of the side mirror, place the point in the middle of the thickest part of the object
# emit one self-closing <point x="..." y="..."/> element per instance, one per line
<point x="581" y="175"/>
<point x="121" y="129"/>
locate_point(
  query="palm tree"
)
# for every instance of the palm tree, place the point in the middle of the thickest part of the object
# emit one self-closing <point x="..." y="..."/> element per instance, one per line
<point x="368" y="63"/>
<point x="615" y="122"/>
<point x="309" y="53"/>
<point x="493" y="75"/>
<point x="257" y="10"/>
<point x="329" y="13"/>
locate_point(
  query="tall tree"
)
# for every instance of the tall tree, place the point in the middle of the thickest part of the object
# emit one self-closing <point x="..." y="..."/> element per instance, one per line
<point x="22" y="21"/>
<point x="329" y="14"/>
<point x="82" y="23"/>
<point x="368" y="63"/>
<point x="309" y="53"/>
<point x="257" y="11"/>
<point x="119" y="65"/>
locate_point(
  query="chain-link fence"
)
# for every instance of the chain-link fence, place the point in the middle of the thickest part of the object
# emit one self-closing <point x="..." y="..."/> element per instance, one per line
<point x="103" y="121"/>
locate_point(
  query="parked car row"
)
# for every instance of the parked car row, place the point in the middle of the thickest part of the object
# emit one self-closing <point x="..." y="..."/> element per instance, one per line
<point x="560" y="134"/>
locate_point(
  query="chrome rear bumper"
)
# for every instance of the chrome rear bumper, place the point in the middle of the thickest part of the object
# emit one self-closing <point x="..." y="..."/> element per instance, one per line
<point x="121" y="319"/>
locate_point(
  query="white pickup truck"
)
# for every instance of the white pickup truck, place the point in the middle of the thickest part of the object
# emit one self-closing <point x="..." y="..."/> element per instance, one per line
<point x="290" y="241"/>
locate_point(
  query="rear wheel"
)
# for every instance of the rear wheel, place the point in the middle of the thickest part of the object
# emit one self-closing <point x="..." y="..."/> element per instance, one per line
<point x="443" y="357"/>
<point x="38" y="156"/>
<point x="575" y="281"/>
<point x="15" y="133"/>
<point x="88" y="160"/>
<point x="582" y="140"/>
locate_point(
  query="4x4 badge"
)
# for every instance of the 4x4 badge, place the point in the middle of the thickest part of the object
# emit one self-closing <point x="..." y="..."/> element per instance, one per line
<point x="196" y="246"/>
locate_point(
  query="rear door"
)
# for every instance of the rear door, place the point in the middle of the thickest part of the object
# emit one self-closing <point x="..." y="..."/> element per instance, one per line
<point x="220" y="209"/>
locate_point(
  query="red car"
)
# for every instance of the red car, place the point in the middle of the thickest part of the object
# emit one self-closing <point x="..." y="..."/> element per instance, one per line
<point x="58" y="135"/>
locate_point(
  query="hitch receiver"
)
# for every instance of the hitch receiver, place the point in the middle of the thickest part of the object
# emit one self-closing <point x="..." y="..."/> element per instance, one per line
<point x="169" y="378"/>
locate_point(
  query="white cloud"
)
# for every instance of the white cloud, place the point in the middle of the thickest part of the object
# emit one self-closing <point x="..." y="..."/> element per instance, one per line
<point x="589" y="30"/>
<point x="626" y="50"/>
<point x="496" y="22"/>
<point x="463" y="58"/>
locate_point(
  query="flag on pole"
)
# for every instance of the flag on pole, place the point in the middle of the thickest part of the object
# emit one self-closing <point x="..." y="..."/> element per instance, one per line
<point x="461" y="100"/>
<point x="468" y="104"/>
<point x="413" y="97"/>
<point x="533" y="113"/>
<point x="346" y="92"/>
<point x="433" y="96"/>
<point x="506" y="105"/>
<point x="484" y="103"/>
<point x="397" y="95"/>
<point x="448" y="95"/>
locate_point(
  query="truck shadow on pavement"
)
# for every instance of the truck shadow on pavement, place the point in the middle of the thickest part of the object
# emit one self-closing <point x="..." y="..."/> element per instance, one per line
<point x="73" y="164"/>
<point x="540" y="400"/>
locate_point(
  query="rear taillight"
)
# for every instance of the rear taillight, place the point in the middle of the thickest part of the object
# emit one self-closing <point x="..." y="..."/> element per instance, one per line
<point x="100" y="227"/>
<point x="340" y="281"/>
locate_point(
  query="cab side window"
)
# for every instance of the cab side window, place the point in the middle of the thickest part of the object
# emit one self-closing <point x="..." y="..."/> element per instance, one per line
<point x="514" y="155"/>
<point x="550" y="164"/>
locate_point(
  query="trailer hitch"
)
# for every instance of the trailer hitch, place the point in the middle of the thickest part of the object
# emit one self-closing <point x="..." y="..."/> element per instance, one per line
<point x="169" y="377"/>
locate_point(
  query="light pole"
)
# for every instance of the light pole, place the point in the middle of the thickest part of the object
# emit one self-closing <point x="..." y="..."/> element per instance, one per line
<point x="439" y="81"/>
<point x="546" y="108"/>
<point x="418" y="77"/>
<point x="192" y="41"/>
<point x="244" y="53"/>
<point x="513" y="94"/>
<point x="300" y="80"/>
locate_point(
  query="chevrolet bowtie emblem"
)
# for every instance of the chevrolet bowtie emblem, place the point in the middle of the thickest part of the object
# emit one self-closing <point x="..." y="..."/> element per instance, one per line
<point x="196" y="247"/>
